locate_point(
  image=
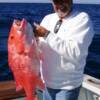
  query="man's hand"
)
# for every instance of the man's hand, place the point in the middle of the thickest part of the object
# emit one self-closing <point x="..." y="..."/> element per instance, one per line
<point x="40" y="31"/>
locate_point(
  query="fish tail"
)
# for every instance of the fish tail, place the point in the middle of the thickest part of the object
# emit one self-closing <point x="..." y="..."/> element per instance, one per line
<point x="29" y="90"/>
<point x="31" y="97"/>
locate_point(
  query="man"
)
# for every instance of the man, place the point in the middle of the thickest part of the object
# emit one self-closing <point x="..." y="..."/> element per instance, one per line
<point x="66" y="36"/>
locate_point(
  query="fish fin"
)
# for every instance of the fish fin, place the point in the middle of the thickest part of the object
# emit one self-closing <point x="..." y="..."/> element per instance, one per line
<point x="41" y="85"/>
<point x="18" y="88"/>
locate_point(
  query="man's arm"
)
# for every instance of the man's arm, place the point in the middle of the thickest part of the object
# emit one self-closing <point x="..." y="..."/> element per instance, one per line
<point x="75" y="46"/>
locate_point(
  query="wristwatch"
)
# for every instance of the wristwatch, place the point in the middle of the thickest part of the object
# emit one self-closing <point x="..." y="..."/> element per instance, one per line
<point x="46" y="34"/>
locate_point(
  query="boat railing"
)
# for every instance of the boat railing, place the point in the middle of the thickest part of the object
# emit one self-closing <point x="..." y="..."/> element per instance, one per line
<point x="90" y="88"/>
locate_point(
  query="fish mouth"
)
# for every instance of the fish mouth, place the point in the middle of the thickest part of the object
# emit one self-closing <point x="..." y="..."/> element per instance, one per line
<point x="17" y="22"/>
<point x="17" y="25"/>
<point x="20" y="25"/>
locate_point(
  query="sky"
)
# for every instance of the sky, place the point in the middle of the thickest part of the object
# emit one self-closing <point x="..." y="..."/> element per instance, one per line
<point x="43" y="1"/>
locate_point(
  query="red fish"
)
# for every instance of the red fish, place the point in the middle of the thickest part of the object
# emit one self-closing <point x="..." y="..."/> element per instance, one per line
<point x="24" y="58"/>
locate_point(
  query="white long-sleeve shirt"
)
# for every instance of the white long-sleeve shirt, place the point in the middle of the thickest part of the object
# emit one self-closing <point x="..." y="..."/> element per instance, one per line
<point x="65" y="52"/>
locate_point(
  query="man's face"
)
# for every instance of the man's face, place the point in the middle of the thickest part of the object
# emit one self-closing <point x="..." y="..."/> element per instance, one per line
<point x="62" y="9"/>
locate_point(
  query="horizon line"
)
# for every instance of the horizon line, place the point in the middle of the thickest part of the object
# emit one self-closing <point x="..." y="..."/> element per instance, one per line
<point x="50" y="2"/>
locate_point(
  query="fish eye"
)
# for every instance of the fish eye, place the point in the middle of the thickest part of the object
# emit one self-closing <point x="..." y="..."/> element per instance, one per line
<point x="12" y="37"/>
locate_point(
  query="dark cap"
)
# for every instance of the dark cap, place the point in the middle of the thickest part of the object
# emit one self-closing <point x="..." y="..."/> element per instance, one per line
<point x="62" y="1"/>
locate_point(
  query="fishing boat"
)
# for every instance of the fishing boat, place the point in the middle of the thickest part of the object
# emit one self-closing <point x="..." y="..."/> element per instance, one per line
<point x="90" y="90"/>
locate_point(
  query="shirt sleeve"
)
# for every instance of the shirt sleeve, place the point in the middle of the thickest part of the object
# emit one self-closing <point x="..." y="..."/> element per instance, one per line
<point x="77" y="45"/>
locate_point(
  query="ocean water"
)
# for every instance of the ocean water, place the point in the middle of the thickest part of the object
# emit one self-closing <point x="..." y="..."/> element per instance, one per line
<point x="34" y="12"/>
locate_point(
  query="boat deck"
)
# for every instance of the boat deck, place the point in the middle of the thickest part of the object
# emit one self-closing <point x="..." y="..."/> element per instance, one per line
<point x="90" y="90"/>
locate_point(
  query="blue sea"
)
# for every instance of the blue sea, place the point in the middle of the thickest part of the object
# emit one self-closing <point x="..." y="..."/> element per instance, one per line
<point x="34" y="12"/>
